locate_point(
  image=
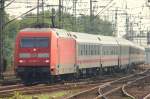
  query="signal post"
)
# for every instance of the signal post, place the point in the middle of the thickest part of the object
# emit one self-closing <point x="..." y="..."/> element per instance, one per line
<point x="1" y="37"/>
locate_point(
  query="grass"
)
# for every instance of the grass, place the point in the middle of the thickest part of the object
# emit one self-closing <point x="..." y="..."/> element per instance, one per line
<point x="53" y="95"/>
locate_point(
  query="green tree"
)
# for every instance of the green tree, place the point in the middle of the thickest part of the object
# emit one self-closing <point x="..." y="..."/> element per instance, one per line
<point x="97" y="26"/>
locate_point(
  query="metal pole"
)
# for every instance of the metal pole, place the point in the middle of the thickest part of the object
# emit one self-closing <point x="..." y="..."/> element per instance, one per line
<point x="43" y="11"/>
<point x="74" y="15"/>
<point x="62" y="16"/>
<point x="91" y="13"/>
<point x="115" y="33"/>
<point x="38" y="11"/>
<point x="1" y="36"/>
<point x="59" y="13"/>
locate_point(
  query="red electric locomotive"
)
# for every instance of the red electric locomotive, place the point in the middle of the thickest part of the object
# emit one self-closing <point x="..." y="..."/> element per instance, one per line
<point x="40" y="53"/>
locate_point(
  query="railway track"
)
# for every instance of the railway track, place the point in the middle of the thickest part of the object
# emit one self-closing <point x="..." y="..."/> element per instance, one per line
<point x="7" y="91"/>
<point x="117" y="91"/>
<point x="109" y="90"/>
<point x="147" y="96"/>
<point x="139" y="89"/>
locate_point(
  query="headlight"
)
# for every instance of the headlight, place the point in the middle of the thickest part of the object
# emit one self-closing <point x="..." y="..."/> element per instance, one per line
<point x="21" y="61"/>
<point x="46" y="61"/>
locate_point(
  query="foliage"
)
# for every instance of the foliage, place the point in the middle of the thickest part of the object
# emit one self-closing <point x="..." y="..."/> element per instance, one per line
<point x="17" y="95"/>
<point x="96" y="26"/>
<point x="53" y="95"/>
<point x="10" y="34"/>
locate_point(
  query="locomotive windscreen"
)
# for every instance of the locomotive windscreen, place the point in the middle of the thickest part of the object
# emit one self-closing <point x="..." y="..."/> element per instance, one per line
<point x="29" y="42"/>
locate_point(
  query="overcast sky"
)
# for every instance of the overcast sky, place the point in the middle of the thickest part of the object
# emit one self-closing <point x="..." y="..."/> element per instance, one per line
<point x="134" y="7"/>
<point x="20" y="7"/>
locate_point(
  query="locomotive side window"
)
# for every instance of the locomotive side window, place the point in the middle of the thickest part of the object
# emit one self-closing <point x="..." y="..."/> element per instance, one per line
<point x="29" y="42"/>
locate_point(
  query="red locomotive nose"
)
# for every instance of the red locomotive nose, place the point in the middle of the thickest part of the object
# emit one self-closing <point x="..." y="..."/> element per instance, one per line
<point x="34" y="51"/>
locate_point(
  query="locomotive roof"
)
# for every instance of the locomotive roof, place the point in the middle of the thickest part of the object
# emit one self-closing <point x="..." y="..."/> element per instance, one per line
<point x="35" y="30"/>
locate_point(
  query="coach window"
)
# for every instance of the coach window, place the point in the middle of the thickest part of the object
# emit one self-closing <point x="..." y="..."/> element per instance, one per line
<point x="115" y="50"/>
<point x="81" y="50"/>
<point x="111" y="51"/>
<point x="106" y="53"/>
<point x="86" y="49"/>
<point x="91" y="49"/>
<point x="103" y="50"/>
<point x="96" y="50"/>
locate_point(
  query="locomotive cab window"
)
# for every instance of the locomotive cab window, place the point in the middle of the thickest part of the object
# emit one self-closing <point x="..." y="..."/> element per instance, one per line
<point x="34" y="42"/>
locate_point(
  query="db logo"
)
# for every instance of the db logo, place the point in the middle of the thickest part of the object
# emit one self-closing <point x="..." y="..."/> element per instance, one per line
<point x="34" y="55"/>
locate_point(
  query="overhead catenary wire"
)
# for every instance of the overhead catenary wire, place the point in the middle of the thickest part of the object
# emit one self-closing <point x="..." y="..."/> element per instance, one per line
<point x="9" y="3"/>
<point x="100" y="12"/>
<point x="21" y="15"/>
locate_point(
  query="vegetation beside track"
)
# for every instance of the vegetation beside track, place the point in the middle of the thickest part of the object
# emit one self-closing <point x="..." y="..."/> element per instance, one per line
<point x="52" y="95"/>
